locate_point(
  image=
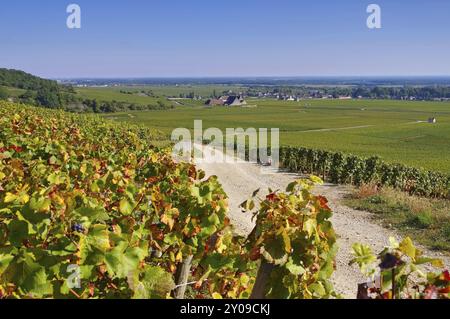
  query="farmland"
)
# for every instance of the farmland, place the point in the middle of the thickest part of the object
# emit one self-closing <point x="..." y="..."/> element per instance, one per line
<point x="143" y="95"/>
<point x="107" y="94"/>
<point x="397" y="131"/>
<point x="14" y="92"/>
<point x="162" y="90"/>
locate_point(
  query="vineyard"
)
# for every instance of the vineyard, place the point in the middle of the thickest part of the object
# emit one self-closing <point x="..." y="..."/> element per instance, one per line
<point x="392" y="130"/>
<point x="85" y="196"/>
<point x="341" y="168"/>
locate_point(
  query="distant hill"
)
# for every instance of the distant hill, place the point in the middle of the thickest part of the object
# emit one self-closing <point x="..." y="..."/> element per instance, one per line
<point x="26" y="88"/>
<point x="37" y="91"/>
<point x="22" y="80"/>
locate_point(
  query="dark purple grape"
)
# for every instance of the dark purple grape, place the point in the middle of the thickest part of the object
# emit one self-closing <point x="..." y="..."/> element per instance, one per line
<point x="78" y="228"/>
<point x="389" y="261"/>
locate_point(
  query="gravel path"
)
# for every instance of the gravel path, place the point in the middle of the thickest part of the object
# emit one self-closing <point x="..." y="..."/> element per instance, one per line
<point x="239" y="180"/>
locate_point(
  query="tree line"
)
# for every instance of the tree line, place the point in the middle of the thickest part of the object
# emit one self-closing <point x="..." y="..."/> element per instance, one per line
<point x="427" y="93"/>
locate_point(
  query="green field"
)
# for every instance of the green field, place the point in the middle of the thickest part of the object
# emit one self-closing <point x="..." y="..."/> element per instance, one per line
<point x="386" y="128"/>
<point x="14" y="92"/>
<point x="163" y="90"/>
<point x="160" y="93"/>
<point x="110" y="94"/>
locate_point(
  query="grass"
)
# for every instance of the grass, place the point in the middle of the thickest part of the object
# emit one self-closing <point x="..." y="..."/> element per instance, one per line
<point x="390" y="129"/>
<point x="108" y="94"/>
<point x="199" y="90"/>
<point x="425" y="220"/>
<point x="14" y="92"/>
<point x="160" y="93"/>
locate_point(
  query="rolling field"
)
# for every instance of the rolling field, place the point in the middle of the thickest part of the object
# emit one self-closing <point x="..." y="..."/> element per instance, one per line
<point x="110" y="94"/>
<point x="391" y="129"/>
<point x="159" y="92"/>
<point x="202" y="90"/>
<point x="14" y="92"/>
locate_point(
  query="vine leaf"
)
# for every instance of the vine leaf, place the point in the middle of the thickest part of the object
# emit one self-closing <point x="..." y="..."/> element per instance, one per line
<point x="125" y="207"/>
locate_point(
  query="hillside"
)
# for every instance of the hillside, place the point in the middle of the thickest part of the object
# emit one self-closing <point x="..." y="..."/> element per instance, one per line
<point x="29" y="89"/>
<point x="22" y="80"/>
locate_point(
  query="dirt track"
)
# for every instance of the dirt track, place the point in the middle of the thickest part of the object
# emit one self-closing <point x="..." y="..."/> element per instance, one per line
<point x="352" y="226"/>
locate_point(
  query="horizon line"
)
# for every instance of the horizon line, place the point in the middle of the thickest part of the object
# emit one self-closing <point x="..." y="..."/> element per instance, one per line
<point x="240" y="77"/>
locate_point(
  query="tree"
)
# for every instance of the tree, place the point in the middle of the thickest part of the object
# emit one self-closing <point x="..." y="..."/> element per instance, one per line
<point x="28" y="97"/>
<point x="48" y="98"/>
<point x="95" y="106"/>
<point x="3" y="93"/>
<point x="161" y="105"/>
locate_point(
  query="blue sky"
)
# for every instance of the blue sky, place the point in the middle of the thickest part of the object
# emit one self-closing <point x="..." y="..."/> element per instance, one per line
<point x="152" y="38"/>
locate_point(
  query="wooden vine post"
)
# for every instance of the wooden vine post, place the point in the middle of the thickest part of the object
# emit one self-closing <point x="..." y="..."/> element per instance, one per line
<point x="260" y="287"/>
<point x="182" y="277"/>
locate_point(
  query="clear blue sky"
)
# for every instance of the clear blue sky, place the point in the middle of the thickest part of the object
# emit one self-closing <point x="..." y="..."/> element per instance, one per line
<point x="150" y="38"/>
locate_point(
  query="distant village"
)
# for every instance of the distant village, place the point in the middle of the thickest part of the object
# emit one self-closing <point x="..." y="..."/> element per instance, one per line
<point x="298" y="93"/>
<point x="240" y="100"/>
<point x="231" y="100"/>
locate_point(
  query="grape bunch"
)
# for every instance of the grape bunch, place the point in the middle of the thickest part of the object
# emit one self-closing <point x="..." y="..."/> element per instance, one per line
<point x="78" y="228"/>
